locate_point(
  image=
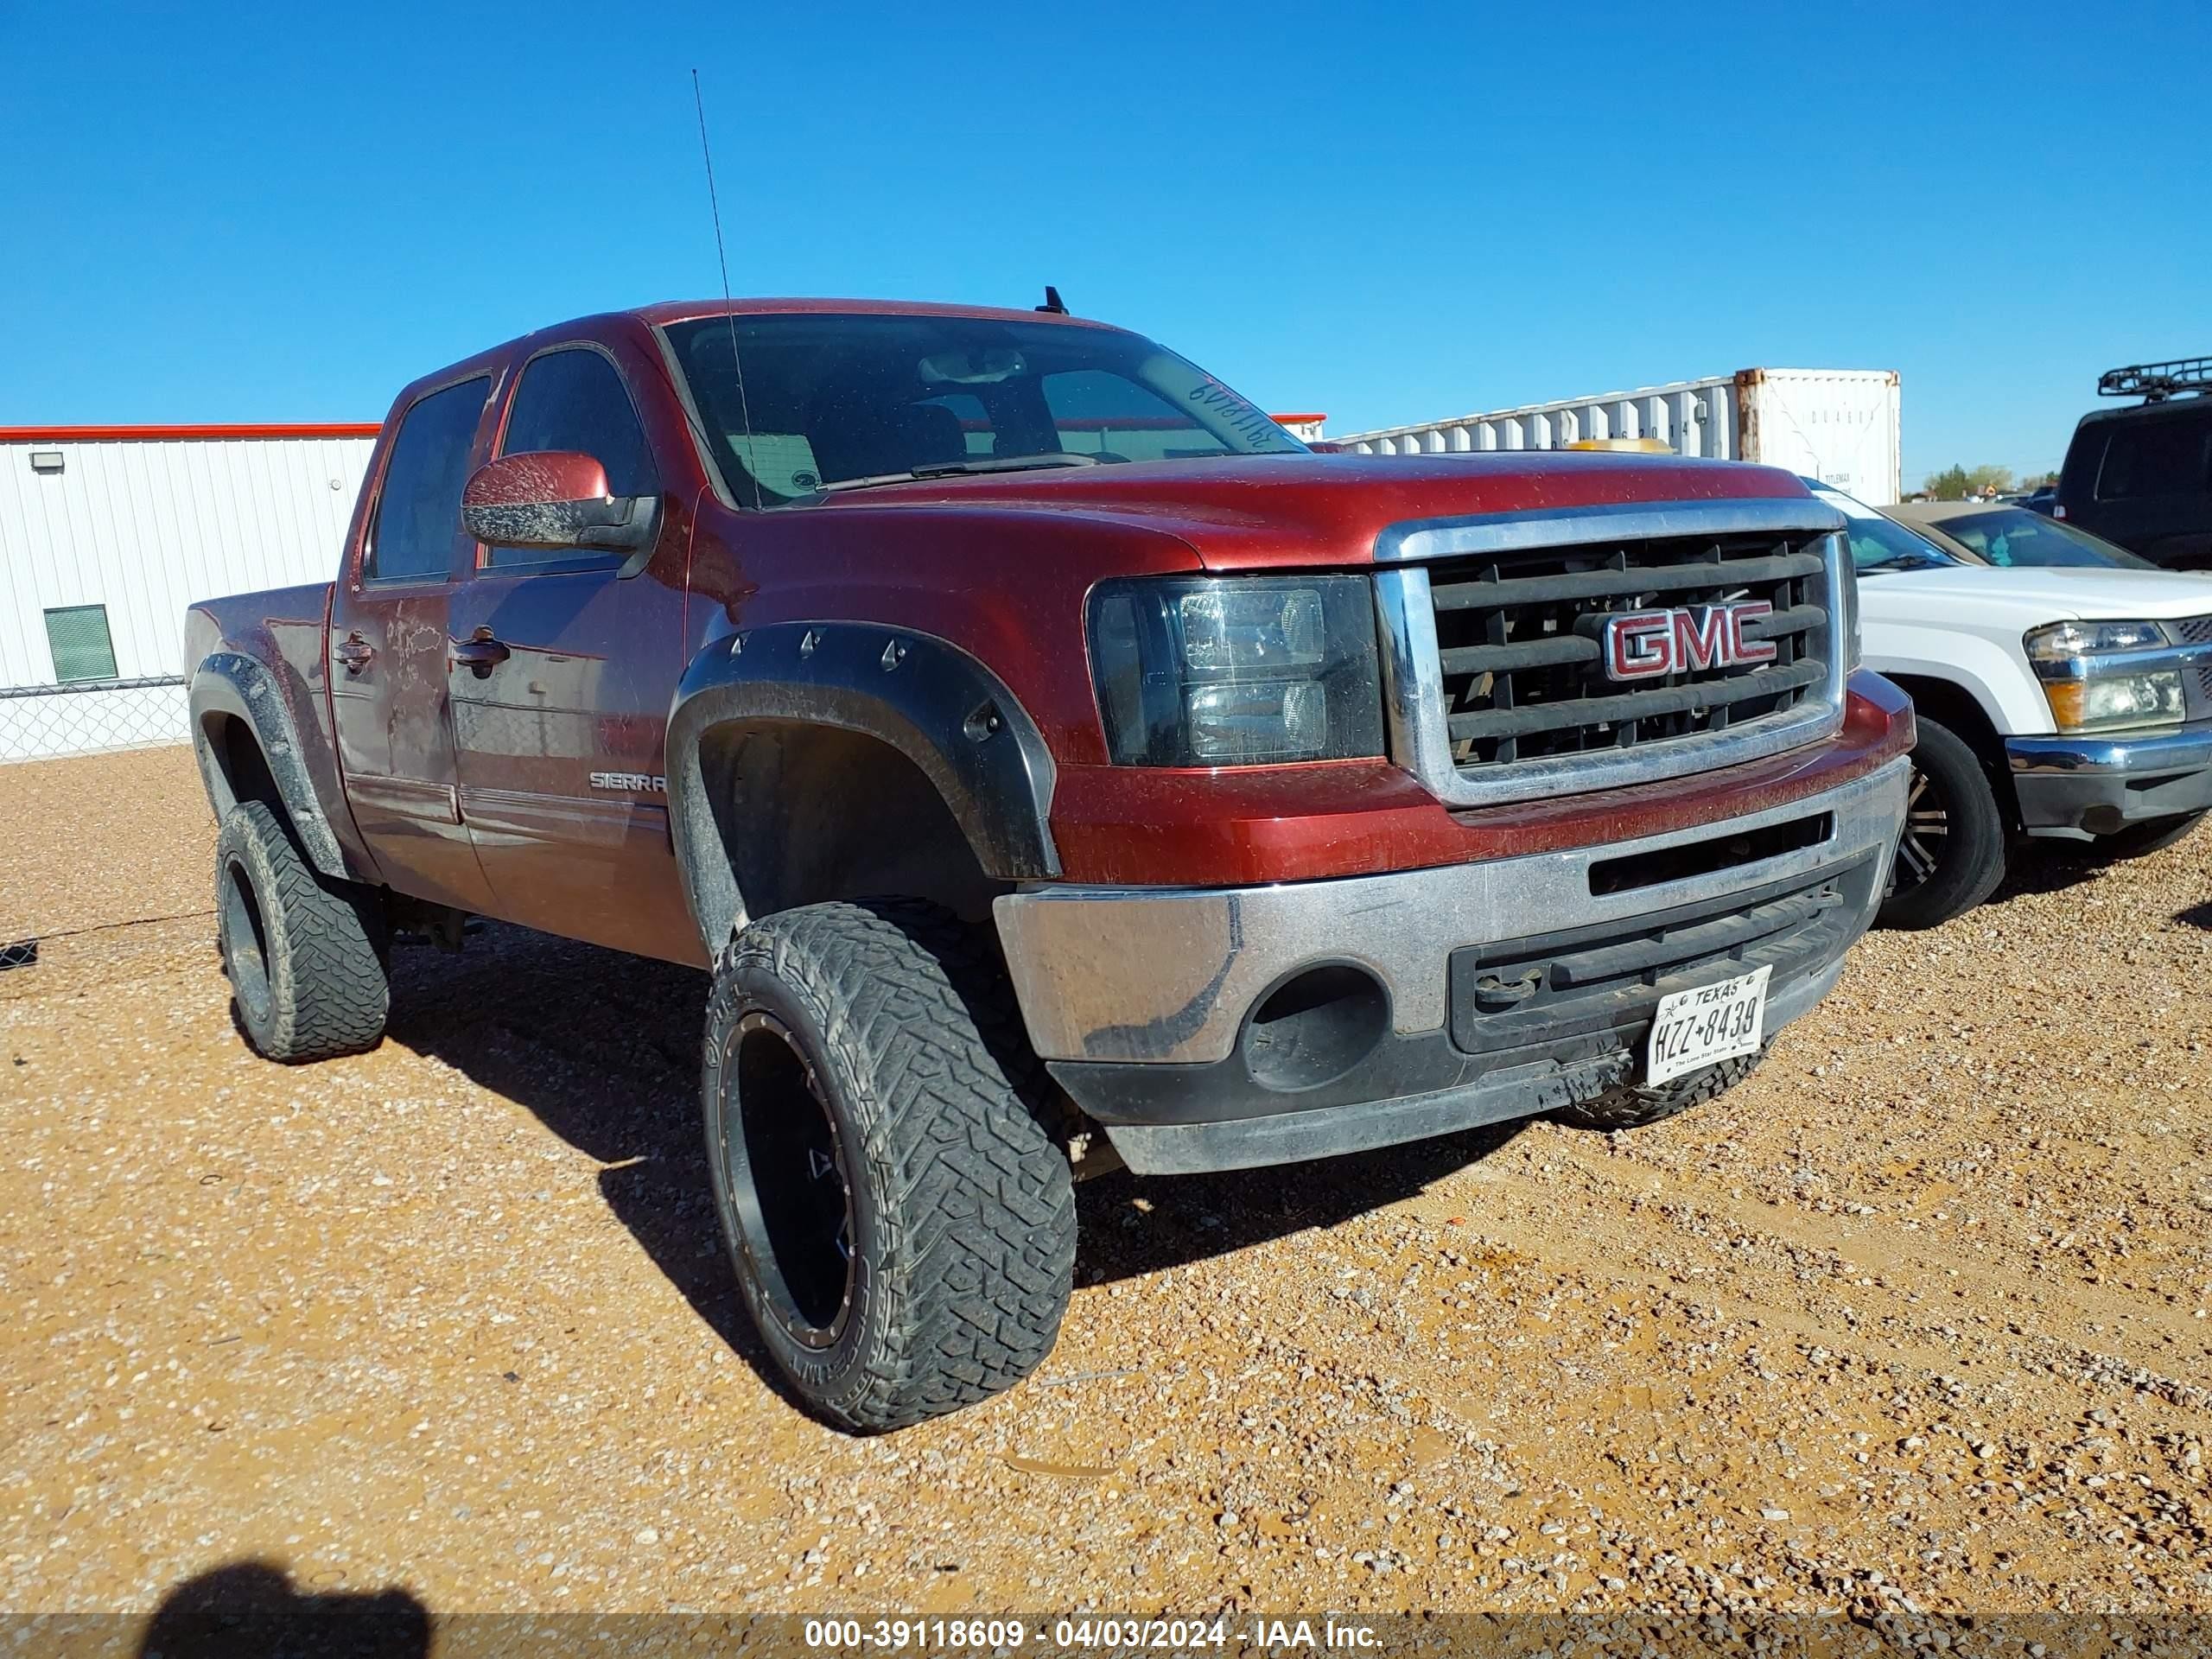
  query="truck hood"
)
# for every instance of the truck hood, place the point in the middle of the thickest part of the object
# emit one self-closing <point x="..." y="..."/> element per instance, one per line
<point x="2032" y="597"/>
<point x="1289" y="510"/>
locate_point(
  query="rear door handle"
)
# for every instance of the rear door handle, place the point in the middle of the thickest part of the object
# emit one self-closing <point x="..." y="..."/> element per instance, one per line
<point x="479" y="653"/>
<point x="354" y="652"/>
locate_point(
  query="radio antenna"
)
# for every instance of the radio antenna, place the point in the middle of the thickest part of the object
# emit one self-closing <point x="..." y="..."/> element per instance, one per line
<point x="737" y="363"/>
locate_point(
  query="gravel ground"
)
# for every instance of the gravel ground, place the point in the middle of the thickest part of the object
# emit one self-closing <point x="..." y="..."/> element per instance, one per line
<point x="1915" y="1319"/>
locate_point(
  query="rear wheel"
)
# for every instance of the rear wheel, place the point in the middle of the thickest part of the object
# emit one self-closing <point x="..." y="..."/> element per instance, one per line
<point x="1951" y="855"/>
<point x="305" y="955"/>
<point x="902" y="1226"/>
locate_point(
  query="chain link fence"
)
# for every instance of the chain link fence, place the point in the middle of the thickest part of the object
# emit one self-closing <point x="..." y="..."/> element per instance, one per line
<point x="46" y="722"/>
<point x="102" y="826"/>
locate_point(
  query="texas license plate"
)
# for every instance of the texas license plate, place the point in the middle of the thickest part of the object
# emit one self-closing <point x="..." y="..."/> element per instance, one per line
<point x="1708" y="1025"/>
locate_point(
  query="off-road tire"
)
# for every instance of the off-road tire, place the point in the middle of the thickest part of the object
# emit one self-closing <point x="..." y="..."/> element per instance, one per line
<point x="1632" y="1106"/>
<point x="306" y="956"/>
<point x="958" y="1239"/>
<point x="1947" y="779"/>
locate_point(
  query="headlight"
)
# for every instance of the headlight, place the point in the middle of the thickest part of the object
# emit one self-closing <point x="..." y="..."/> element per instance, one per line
<point x="1854" y="652"/>
<point x="2091" y="682"/>
<point x="2064" y="640"/>
<point x="1242" y="671"/>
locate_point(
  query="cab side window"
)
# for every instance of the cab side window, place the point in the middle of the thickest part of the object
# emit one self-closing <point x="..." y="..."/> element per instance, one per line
<point x="573" y="399"/>
<point x="418" y="509"/>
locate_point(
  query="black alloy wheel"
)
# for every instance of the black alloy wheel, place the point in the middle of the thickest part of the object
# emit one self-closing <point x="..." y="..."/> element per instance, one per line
<point x="245" y="936"/>
<point x="794" y="1203"/>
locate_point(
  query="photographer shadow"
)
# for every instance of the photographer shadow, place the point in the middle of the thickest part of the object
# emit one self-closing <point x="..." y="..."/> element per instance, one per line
<point x="249" y="1610"/>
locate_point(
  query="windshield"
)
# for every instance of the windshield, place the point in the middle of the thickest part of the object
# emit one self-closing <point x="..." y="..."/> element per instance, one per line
<point x="2014" y="537"/>
<point x="829" y="400"/>
<point x="1879" y="544"/>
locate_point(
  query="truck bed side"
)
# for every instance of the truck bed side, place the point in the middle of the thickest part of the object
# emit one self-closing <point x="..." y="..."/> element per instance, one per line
<point x="257" y="665"/>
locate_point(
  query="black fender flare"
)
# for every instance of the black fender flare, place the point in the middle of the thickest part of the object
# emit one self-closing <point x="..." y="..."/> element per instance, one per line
<point x="227" y="682"/>
<point x="925" y="697"/>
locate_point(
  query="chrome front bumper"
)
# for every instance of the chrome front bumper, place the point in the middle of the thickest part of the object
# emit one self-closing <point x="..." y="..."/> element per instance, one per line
<point x="1169" y="976"/>
<point x="2084" y="785"/>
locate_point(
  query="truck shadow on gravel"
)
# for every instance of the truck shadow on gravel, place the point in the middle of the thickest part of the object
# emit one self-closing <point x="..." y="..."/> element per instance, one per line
<point x="1131" y="1226"/>
<point x="603" y="1049"/>
<point x="2039" y="869"/>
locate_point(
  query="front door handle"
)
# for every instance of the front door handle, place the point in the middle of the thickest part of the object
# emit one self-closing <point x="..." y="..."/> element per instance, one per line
<point x="479" y="653"/>
<point x="354" y="652"/>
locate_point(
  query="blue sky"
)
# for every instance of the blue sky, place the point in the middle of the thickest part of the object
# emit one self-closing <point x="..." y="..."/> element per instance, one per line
<point x="1390" y="214"/>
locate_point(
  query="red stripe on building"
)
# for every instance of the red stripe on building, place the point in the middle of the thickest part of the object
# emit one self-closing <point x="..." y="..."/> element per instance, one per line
<point x="160" y="434"/>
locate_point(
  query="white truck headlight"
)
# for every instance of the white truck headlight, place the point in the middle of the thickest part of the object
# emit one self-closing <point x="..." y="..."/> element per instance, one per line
<point x="2093" y="681"/>
<point x="1236" y="671"/>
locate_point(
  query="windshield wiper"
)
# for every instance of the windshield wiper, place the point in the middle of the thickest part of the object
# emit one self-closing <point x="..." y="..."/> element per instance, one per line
<point x="957" y="468"/>
<point x="1905" y="562"/>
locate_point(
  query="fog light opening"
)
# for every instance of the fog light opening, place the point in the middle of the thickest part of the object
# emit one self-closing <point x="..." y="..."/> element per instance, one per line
<point x="1315" y="1027"/>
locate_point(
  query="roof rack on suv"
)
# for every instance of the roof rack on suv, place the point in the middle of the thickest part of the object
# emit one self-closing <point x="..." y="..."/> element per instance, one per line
<point x="2154" y="382"/>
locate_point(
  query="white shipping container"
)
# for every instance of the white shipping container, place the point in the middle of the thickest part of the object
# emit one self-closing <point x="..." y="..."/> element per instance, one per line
<point x="107" y="533"/>
<point x="1837" y="425"/>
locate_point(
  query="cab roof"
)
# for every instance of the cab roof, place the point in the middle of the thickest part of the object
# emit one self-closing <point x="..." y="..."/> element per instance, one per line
<point x="667" y="311"/>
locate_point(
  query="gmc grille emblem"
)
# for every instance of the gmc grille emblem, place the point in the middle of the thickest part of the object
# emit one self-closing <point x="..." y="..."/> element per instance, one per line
<point x="1645" y="645"/>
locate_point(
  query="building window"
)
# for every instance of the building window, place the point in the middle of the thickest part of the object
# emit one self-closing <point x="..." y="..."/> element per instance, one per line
<point x="78" y="636"/>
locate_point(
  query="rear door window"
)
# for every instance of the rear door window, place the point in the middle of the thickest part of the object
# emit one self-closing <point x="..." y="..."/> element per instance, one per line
<point x="418" y="509"/>
<point x="2168" y="454"/>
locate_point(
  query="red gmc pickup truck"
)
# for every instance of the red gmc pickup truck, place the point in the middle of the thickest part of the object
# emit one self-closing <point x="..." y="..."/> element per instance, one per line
<point x="1057" y="765"/>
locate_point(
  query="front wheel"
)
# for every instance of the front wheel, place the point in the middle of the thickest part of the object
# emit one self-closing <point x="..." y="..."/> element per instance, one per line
<point x="1951" y="856"/>
<point x="902" y="1226"/>
<point x="1636" y="1106"/>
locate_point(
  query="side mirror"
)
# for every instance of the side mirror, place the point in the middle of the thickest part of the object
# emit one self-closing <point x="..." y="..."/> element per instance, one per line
<point x="558" y="499"/>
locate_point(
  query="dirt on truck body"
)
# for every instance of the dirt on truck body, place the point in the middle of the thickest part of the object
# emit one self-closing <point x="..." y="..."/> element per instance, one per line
<point x="1055" y="764"/>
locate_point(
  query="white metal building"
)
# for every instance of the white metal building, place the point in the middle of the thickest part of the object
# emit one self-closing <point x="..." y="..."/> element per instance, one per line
<point x="107" y="533"/>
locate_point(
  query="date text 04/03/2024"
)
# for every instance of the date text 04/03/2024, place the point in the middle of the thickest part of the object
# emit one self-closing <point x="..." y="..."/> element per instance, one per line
<point x="895" y="1634"/>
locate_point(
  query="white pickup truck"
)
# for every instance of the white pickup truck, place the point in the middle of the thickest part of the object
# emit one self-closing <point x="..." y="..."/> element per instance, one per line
<point x="2063" y="689"/>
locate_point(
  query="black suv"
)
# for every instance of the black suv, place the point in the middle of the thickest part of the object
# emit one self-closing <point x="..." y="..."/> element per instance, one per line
<point x="2143" y="476"/>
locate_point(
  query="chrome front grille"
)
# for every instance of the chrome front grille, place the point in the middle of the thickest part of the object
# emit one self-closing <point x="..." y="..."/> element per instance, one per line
<point x="1493" y="625"/>
<point x="1522" y="668"/>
